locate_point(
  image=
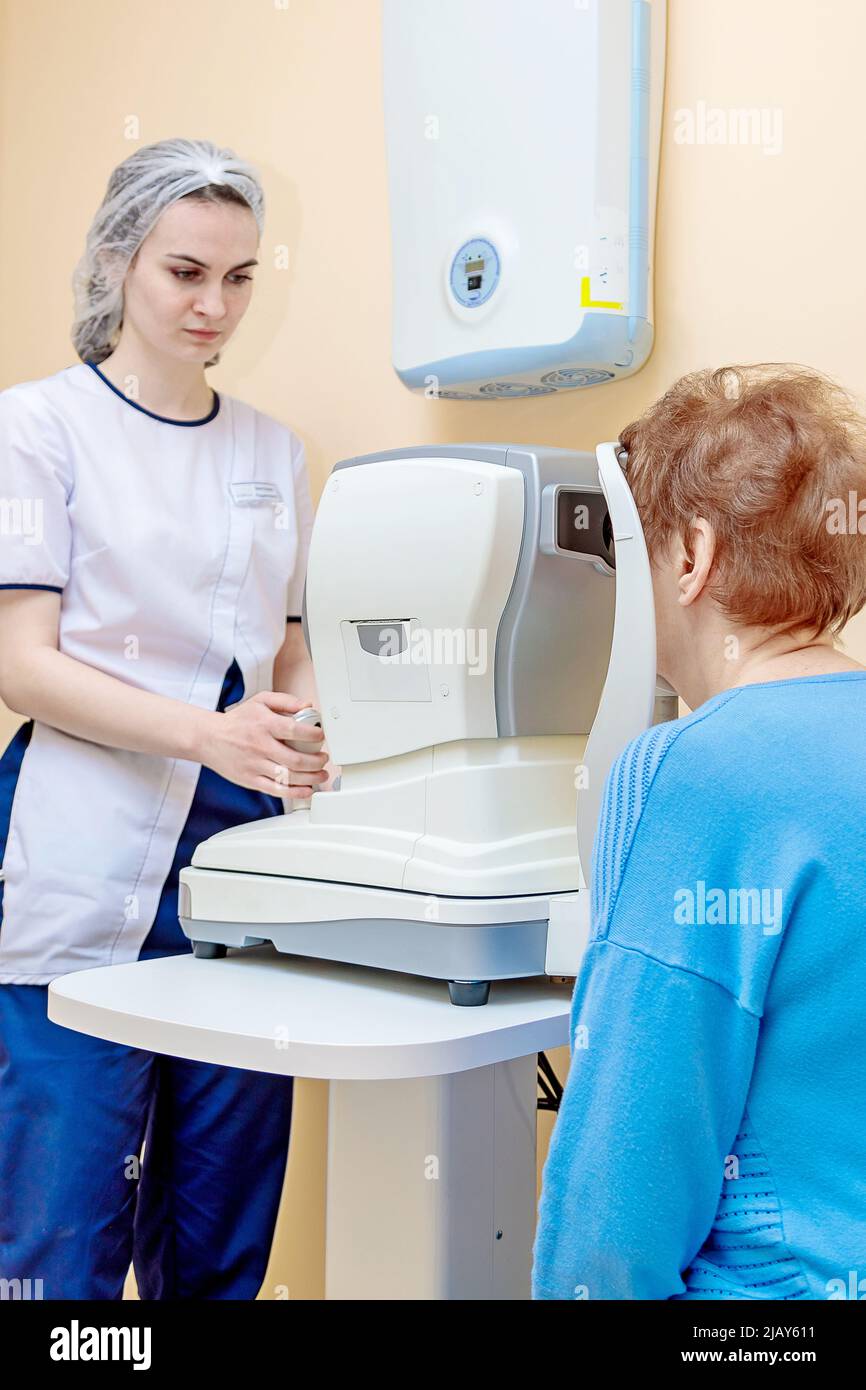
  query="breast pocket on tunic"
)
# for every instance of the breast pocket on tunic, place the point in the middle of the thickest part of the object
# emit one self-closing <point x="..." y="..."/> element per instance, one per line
<point x="132" y="606"/>
<point x="82" y="557"/>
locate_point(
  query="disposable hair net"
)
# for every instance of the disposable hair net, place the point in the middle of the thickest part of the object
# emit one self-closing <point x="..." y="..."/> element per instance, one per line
<point x="139" y="191"/>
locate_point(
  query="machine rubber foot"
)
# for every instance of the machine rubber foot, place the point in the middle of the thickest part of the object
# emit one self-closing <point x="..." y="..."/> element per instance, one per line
<point x="469" y="993"/>
<point x="208" y="950"/>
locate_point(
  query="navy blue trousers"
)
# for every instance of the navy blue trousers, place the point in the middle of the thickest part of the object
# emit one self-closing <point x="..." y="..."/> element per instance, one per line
<point x="196" y="1216"/>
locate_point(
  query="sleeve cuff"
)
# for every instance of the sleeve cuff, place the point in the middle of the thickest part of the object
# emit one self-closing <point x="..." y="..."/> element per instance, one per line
<point x="53" y="588"/>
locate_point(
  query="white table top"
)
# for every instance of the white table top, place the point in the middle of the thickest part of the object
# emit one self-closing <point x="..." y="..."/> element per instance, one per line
<point x="300" y="1017"/>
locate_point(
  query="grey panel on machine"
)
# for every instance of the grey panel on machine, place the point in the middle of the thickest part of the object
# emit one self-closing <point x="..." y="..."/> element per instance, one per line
<point x="558" y="602"/>
<point x="479" y="453"/>
<point x="437" y="950"/>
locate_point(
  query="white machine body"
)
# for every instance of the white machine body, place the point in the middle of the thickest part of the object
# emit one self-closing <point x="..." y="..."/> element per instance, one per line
<point x="460" y="609"/>
<point x="523" y="142"/>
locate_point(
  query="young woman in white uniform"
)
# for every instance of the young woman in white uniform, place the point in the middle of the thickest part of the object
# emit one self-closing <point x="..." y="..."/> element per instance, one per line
<point x="145" y="588"/>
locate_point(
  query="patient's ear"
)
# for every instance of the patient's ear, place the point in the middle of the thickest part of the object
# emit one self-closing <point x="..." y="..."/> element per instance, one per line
<point x="696" y="553"/>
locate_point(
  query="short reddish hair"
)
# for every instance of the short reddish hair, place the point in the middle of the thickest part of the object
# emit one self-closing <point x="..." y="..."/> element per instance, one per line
<point x="761" y="452"/>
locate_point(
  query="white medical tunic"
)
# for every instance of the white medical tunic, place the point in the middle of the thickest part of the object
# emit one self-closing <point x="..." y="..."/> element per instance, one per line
<point x="178" y="547"/>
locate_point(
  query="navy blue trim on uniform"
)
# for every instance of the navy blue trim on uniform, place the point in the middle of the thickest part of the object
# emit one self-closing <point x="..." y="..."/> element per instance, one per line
<point x="54" y="588"/>
<point x="217" y="805"/>
<point x="166" y="420"/>
<point x="10" y="767"/>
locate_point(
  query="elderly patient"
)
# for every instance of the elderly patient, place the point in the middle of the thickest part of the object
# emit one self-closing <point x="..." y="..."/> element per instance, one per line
<point x="711" y="1141"/>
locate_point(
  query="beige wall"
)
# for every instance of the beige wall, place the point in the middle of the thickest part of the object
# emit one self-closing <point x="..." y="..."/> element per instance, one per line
<point x="760" y="257"/>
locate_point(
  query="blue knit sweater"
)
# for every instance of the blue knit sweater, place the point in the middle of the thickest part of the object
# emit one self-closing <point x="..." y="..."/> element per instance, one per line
<point x="711" y="1141"/>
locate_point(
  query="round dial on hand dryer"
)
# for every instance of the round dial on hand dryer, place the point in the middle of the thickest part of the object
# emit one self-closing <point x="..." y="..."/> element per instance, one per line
<point x="475" y="272"/>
